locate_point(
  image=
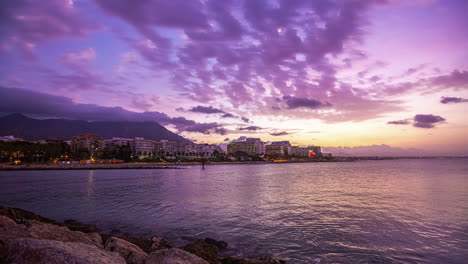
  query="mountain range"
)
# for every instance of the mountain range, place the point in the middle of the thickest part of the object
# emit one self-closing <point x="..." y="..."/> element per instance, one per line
<point x="28" y="128"/>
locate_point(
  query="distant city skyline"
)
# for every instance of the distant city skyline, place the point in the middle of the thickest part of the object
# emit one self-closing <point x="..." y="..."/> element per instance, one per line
<point x="363" y="74"/>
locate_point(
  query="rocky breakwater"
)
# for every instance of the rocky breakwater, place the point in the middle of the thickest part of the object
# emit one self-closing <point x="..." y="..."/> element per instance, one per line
<point x="26" y="237"/>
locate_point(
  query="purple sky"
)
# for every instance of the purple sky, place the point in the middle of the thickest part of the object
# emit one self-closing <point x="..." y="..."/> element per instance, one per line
<point x="331" y="73"/>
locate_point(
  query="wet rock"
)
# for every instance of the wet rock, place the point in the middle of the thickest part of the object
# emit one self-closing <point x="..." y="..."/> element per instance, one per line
<point x="174" y="256"/>
<point x="62" y="233"/>
<point x="77" y="226"/>
<point x="218" y="243"/>
<point x="35" y="251"/>
<point x="144" y="243"/>
<point x="39" y="230"/>
<point x="204" y="250"/>
<point x="6" y="221"/>
<point x="159" y="242"/>
<point x="262" y="260"/>
<point x="130" y="252"/>
<point x="19" y="215"/>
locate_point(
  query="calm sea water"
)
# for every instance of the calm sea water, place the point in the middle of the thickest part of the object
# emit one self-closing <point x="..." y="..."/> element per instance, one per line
<point x="392" y="211"/>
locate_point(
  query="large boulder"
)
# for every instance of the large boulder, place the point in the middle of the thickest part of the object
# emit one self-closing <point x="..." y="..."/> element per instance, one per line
<point x="77" y="226"/>
<point x="159" y="242"/>
<point x="62" y="233"/>
<point x="39" y="230"/>
<point x="5" y="222"/>
<point x="130" y="252"/>
<point x="218" y="243"/>
<point x="204" y="250"/>
<point x="173" y="256"/>
<point x="35" y="251"/>
<point x="19" y="215"/>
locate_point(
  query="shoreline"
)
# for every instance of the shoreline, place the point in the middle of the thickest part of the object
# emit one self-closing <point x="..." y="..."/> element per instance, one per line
<point x="181" y="165"/>
<point x="136" y="165"/>
<point x="26" y="237"/>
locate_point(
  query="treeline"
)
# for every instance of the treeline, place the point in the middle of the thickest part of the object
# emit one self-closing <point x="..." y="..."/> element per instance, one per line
<point x="33" y="152"/>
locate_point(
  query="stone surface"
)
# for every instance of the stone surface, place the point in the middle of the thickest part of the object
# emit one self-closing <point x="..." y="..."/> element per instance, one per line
<point x="204" y="250"/>
<point x="77" y="226"/>
<point x="218" y="243"/>
<point x="35" y="251"/>
<point x="19" y="215"/>
<point x="159" y="242"/>
<point x="6" y="221"/>
<point x="142" y="242"/>
<point x="174" y="256"/>
<point x="39" y="230"/>
<point x="130" y="252"/>
<point x="62" y="233"/>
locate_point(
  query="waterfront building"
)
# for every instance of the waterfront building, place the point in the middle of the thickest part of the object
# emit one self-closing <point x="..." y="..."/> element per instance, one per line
<point x="115" y="143"/>
<point x="275" y="150"/>
<point x="242" y="146"/>
<point x="287" y="147"/>
<point x="168" y="146"/>
<point x="260" y="149"/>
<point x="90" y="142"/>
<point x="142" y="147"/>
<point x="300" y="151"/>
<point x="316" y="149"/>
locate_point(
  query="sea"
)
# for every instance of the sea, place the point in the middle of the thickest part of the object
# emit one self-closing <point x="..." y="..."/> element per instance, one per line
<point x="379" y="211"/>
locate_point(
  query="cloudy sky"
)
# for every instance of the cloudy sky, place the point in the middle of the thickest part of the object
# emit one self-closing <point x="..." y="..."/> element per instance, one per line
<point x="330" y="73"/>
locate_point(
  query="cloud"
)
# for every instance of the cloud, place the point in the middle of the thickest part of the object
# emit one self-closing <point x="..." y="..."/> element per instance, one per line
<point x="263" y="45"/>
<point x="245" y="119"/>
<point x="37" y="104"/>
<point x="206" y="110"/>
<point x="250" y="128"/>
<point x="454" y="100"/>
<point x="226" y="139"/>
<point x="456" y="79"/>
<point x="374" y="150"/>
<point x="79" y="59"/>
<point x="26" y="23"/>
<point x="228" y="115"/>
<point x="400" y="122"/>
<point x="295" y="102"/>
<point x="427" y="121"/>
<point x="284" y="133"/>
<point x="421" y="121"/>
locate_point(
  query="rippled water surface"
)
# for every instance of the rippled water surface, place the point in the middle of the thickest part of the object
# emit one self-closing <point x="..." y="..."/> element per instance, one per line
<point x="392" y="211"/>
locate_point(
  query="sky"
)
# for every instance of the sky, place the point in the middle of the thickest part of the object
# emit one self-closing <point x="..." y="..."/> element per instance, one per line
<point x="357" y="74"/>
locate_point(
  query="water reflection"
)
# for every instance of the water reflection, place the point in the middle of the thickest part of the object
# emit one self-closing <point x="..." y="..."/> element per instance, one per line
<point x="90" y="184"/>
<point x="402" y="211"/>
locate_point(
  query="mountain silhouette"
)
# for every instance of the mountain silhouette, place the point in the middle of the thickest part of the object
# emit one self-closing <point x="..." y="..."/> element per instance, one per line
<point x="28" y="128"/>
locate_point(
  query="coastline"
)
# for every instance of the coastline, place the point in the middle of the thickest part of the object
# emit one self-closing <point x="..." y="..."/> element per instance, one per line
<point x="26" y="237"/>
<point x="134" y="165"/>
<point x="181" y="165"/>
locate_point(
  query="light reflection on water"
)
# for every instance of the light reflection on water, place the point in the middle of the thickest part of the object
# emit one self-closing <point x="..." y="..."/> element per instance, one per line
<point x="394" y="211"/>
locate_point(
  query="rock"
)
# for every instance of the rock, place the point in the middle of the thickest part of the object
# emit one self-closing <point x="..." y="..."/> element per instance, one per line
<point x="77" y="226"/>
<point x="35" y="251"/>
<point x="218" y="243"/>
<point x="19" y="215"/>
<point x="262" y="260"/>
<point x="6" y="221"/>
<point x="130" y="252"/>
<point x="204" y="250"/>
<point x="38" y="230"/>
<point x="143" y="243"/>
<point x="173" y="256"/>
<point x="62" y="233"/>
<point x="159" y="242"/>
